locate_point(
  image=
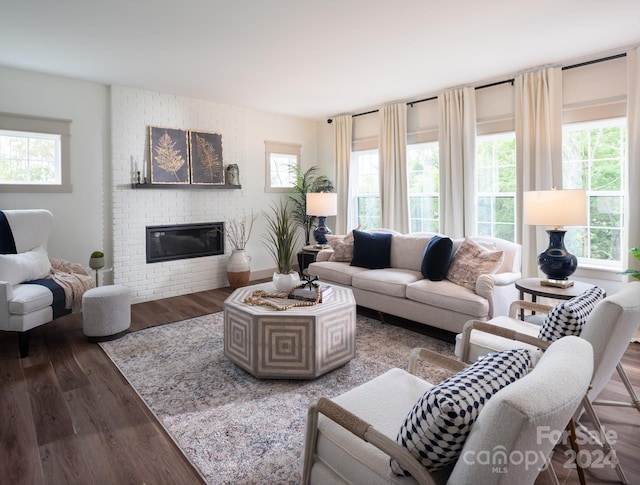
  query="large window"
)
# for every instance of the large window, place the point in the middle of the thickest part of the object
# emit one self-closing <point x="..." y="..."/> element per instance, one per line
<point x="424" y="187"/>
<point x="34" y="154"/>
<point x="496" y="185"/>
<point x="594" y="155"/>
<point x="366" y="173"/>
<point x="279" y="158"/>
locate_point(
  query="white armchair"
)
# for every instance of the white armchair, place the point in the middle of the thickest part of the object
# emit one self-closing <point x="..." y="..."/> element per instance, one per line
<point x="23" y="258"/>
<point x="350" y="439"/>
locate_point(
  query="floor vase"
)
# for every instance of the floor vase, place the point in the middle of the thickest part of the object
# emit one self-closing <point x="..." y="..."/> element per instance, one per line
<point x="238" y="268"/>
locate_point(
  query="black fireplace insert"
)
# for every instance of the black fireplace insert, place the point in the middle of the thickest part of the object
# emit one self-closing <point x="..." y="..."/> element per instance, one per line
<point x="182" y="241"/>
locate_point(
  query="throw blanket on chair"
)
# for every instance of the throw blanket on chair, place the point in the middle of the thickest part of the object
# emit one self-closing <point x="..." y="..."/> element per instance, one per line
<point x="7" y="243"/>
<point x="74" y="280"/>
<point x="59" y="298"/>
<point x="67" y="282"/>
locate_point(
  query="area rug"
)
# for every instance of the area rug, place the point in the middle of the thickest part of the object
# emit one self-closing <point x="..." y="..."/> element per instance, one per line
<point x="233" y="427"/>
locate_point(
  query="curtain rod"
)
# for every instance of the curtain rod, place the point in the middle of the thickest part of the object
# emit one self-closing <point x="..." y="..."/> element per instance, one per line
<point x="510" y="81"/>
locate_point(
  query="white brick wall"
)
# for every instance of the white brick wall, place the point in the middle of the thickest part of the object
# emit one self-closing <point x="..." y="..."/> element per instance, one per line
<point x="132" y="112"/>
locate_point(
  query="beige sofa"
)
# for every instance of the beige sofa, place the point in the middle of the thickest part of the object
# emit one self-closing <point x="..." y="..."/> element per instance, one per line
<point x="402" y="290"/>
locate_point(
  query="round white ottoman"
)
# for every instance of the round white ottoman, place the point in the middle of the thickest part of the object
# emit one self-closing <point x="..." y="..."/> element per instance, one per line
<point x="106" y="312"/>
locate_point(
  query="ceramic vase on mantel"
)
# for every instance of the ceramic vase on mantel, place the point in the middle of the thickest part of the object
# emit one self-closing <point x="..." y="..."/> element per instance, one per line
<point x="238" y="268"/>
<point x="285" y="282"/>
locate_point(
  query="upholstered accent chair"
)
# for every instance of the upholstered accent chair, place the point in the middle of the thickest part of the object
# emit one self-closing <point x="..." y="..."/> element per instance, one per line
<point x="352" y="438"/>
<point x="609" y="328"/>
<point x="24" y="260"/>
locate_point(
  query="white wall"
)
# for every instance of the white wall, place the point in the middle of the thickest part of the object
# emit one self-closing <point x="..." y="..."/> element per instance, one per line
<point x="243" y="135"/>
<point x="79" y="216"/>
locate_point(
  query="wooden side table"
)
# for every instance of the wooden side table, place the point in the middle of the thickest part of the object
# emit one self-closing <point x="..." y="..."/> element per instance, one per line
<point x="306" y="257"/>
<point x="532" y="286"/>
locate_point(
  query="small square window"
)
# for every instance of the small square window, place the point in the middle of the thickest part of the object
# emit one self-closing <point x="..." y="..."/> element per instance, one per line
<point x="34" y="154"/>
<point x="280" y="158"/>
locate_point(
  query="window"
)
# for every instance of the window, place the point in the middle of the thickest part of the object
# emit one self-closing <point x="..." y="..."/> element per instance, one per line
<point x="496" y="185"/>
<point x="594" y="155"/>
<point x="366" y="173"/>
<point x="34" y="154"/>
<point x="29" y="158"/>
<point x="280" y="157"/>
<point x="423" y="171"/>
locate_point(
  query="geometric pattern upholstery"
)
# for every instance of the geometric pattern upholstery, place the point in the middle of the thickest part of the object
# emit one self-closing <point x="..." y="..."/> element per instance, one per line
<point x="437" y="427"/>
<point x="568" y="317"/>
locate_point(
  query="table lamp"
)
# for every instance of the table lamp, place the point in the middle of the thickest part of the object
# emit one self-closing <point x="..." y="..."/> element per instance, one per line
<point x="556" y="208"/>
<point x="322" y="204"/>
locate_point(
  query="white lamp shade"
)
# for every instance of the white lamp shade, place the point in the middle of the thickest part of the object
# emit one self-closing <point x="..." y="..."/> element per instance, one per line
<point x="555" y="208"/>
<point x="322" y="204"/>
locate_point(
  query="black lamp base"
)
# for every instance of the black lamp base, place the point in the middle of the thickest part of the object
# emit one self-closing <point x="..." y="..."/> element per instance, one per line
<point x="322" y="231"/>
<point x="555" y="261"/>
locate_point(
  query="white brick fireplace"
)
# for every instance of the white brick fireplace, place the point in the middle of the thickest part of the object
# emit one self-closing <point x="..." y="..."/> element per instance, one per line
<point x="132" y="112"/>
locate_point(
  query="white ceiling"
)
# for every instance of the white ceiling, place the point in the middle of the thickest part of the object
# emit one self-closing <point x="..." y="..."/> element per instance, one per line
<point x="307" y="58"/>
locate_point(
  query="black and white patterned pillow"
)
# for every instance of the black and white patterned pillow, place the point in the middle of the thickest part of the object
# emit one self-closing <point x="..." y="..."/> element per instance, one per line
<point x="568" y="317"/>
<point x="436" y="428"/>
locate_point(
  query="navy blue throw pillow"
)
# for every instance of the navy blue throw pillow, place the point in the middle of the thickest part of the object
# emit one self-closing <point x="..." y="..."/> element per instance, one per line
<point x="371" y="250"/>
<point x="436" y="258"/>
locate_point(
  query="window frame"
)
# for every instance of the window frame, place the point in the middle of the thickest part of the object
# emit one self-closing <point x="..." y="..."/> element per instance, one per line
<point x="354" y="192"/>
<point x="496" y="136"/>
<point x="432" y="145"/>
<point x="593" y="263"/>
<point x="279" y="148"/>
<point x="41" y="125"/>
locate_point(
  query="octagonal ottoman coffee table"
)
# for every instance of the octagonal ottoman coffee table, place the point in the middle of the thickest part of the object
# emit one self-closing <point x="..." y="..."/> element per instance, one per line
<point x="298" y="343"/>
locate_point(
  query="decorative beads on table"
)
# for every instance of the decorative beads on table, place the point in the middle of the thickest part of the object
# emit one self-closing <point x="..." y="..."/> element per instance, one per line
<point x="257" y="297"/>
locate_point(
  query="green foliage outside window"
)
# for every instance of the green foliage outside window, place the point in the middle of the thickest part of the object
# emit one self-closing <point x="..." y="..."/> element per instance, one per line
<point x="26" y="158"/>
<point x="424" y="187"/>
<point x="496" y="185"/>
<point x="593" y="159"/>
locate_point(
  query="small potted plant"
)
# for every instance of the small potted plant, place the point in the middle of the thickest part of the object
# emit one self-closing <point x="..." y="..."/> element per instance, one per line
<point x="96" y="261"/>
<point x="282" y="242"/>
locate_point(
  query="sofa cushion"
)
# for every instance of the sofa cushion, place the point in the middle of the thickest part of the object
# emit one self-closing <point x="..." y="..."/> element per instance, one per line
<point x="26" y="266"/>
<point x="407" y="250"/>
<point x="342" y="247"/>
<point x="446" y="294"/>
<point x="389" y="281"/>
<point x="29" y="298"/>
<point x="371" y="250"/>
<point x="335" y="271"/>
<point x="437" y="258"/>
<point x="568" y="317"/>
<point x="470" y="261"/>
<point x="436" y="428"/>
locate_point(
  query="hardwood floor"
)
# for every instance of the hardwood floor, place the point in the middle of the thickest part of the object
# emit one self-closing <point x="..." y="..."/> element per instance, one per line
<point x="67" y="416"/>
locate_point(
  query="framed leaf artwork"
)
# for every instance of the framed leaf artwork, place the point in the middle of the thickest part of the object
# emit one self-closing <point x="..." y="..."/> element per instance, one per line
<point x="207" y="166"/>
<point x="169" y="155"/>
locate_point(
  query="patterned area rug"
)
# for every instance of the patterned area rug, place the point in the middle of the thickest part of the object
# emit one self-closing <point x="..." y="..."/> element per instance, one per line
<point x="233" y="427"/>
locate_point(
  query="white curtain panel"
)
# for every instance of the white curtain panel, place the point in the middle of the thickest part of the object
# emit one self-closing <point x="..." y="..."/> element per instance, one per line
<point x="393" y="167"/>
<point x="632" y="201"/>
<point x="538" y="151"/>
<point x="343" y="132"/>
<point x="457" y="139"/>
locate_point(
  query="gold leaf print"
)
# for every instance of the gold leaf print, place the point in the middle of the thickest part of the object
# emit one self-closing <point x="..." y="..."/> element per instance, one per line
<point x="209" y="158"/>
<point x="168" y="158"/>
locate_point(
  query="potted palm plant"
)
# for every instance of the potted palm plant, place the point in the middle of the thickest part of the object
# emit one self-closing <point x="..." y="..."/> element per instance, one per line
<point x="281" y="240"/>
<point x="306" y="182"/>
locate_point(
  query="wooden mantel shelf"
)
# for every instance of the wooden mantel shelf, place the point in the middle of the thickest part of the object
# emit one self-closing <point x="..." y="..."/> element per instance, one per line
<point x="185" y="186"/>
